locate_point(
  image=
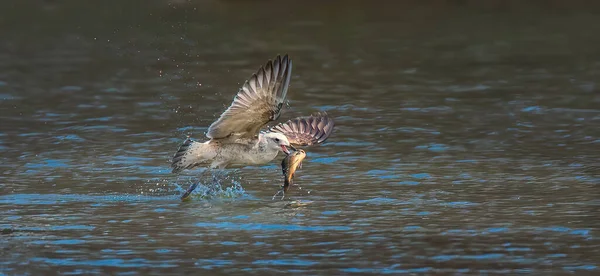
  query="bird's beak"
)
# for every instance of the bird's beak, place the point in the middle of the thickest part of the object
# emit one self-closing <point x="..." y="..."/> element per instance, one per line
<point x="284" y="149"/>
<point x="292" y="147"/>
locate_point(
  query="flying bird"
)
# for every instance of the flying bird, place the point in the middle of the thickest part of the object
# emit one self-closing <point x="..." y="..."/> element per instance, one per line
<point x="236" y="139"/>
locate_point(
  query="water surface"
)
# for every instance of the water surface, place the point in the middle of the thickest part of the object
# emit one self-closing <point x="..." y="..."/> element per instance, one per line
<point x="467" y="138"/>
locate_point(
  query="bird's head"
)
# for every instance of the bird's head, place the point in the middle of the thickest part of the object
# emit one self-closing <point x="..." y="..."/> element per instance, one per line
<point x="278" y="141"/>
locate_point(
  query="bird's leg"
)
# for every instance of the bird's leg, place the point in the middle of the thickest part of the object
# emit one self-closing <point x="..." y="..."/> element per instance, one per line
<point x="192" y="187"/>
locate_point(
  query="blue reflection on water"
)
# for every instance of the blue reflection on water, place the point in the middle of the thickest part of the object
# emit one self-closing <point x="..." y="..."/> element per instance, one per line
<point x="433" y="147"/>
<point x="285" y="262"/>
<point x="137" y="262"/>
<point x="580" y="267"/>
<point x="269" y="227"/>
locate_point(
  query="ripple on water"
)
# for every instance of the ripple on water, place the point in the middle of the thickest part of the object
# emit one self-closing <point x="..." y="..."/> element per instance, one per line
<point x="413" y="130"/>
<point x="580" y="267"/>
<point x="51" y="199"/>
<point x="270" y="227"/>
<point x="384" y="174"/>
<point x="378" y="201"/>
<point x="390" y="270"/>
<point x="285" y="262"/>
<point x="114" y="262"/>
<point x="325" y="160"/>
<point x="532" y="109"/>
<point x="458" y="204"/>
<point x="433" y="147"/>
<point x="407" y="182"/>
<point x="48" y="163"/>
<point x="445" y="258"/>
<point x="69" y="138"/>
<point x="213" y="263"/>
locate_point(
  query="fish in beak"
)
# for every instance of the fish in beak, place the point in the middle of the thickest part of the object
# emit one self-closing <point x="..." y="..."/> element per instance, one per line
<point x="289" y="165"/>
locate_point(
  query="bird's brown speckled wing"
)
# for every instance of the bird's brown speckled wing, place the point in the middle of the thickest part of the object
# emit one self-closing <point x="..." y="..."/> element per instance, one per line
<point x="306" y="131"/>
<point x="258" y="102"/>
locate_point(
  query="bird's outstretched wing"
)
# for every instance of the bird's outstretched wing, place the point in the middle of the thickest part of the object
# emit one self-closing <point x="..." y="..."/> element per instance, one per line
<point x="258" y="102"/>
<point x="306" y="131"/>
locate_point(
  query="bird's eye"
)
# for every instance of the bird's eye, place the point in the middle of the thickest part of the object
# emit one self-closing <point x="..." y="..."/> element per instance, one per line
<point x="277" y="140"/>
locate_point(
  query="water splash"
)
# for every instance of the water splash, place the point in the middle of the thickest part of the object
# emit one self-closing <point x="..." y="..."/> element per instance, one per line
<point x="221" y="186"/>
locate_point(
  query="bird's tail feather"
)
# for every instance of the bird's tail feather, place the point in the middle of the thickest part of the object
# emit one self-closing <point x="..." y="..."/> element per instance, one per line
<point x="184" y="157"/>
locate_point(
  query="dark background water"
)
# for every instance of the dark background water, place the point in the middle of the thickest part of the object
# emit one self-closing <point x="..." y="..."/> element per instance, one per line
<point x="467" y="137"/>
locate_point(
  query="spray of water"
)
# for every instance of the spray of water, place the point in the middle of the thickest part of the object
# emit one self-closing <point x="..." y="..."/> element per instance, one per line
<point x="222" y="184"/>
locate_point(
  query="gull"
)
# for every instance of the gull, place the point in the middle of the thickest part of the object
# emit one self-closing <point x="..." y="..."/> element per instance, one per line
<point x="235" y="139"/>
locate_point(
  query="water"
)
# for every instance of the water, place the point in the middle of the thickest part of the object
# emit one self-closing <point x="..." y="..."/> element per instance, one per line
<point x="467" y="138"/>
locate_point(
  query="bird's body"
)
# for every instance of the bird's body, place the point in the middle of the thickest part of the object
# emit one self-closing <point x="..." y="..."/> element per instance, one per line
<point x="235" y="139"/>
<point x="218" y="155"/>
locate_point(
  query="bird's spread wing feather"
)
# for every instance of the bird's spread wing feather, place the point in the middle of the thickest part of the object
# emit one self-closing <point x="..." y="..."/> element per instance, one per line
<point x="258" y="102"/>
<point x="306" y="131"/>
